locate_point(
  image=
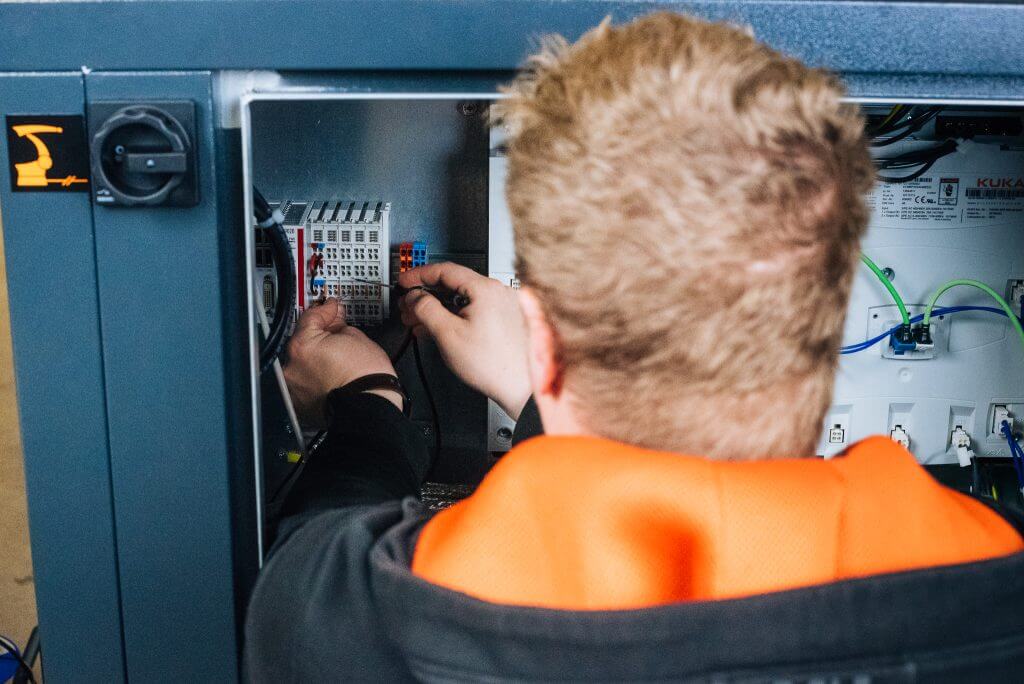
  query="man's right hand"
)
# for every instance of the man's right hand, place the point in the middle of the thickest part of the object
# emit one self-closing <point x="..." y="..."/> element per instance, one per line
<point x="485" y="343"/>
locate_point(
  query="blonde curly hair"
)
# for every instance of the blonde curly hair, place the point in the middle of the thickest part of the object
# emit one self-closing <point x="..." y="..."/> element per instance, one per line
<point x="688" y="206"/>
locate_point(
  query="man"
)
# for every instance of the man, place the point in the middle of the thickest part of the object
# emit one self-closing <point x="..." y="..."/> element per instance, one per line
<point x="687" y="207"/>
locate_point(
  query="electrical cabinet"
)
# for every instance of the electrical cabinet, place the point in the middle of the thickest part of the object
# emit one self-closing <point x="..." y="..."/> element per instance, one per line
<point x="152" y="443"/>
<point x="964" y="218"/>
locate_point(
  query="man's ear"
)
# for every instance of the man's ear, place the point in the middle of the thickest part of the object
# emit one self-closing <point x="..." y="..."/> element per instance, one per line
<point x="545" y="369"/>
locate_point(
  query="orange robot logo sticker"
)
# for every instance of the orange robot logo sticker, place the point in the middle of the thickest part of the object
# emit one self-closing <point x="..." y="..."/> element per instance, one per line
<point x="47" y="154"/>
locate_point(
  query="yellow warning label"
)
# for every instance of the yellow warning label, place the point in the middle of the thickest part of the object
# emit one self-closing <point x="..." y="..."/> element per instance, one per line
<point x="47" y="153"/>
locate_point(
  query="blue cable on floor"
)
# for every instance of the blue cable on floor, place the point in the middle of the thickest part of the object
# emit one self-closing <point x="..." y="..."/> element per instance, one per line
<point x="8" y="661"/>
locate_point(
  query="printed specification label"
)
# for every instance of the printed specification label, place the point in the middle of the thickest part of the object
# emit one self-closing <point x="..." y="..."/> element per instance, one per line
<point x="949" y="201"/>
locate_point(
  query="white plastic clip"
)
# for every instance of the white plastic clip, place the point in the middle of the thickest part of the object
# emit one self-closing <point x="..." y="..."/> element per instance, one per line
<point x="962" y="443"/>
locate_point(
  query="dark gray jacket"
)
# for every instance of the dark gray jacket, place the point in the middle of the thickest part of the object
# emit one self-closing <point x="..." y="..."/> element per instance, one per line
<point x="338" y="602"/>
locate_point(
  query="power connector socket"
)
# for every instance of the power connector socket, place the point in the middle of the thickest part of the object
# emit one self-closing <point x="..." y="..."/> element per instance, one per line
<point x="899" y="435"/>
<point x="903" y="339"/>
<point x="1000" y="414"/>
<point x="960" y="440"/>
<point x="1015" y="295"/>
<point x="923" y="336"/>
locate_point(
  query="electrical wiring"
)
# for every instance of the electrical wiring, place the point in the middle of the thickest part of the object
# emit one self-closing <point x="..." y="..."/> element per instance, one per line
<point x="30" y="654"/>
<point x="910" y="176"/>
<point x="912" y="124"/>
<point x="941" y="311"/>
<point x="286" y="395"/>
<point x="12" y="648"/>
<point x="921" y="160"/>
<point x="432" y="404"/>
<point x="1016" y="454"/>
<point x="888" y="286"/>
<point x="314" y="444"/>
<point x="889" y="122"/>
<point x="984" y="288"/>
<point x="916" y="157"/>
<point x="402" y="347"/>
<point x="284" y="267"/>
<point x="408" y="340"/>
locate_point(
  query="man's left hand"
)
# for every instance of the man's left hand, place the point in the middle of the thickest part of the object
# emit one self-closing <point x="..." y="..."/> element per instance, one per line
<point x="324" y="354"/>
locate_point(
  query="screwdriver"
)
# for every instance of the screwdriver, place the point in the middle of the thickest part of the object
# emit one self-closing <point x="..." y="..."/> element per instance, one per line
<point x="453" y="301"/>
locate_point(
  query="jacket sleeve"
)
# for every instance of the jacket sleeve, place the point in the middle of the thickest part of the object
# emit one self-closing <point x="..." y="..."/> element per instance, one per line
<point x="312" y="615"/>
<point x="529" y="424"/>
<point x="372" y="454"/>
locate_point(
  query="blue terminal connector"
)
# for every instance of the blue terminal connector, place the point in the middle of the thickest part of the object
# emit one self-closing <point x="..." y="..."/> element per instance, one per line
<point x="902" y="340"/>
<point x="419" y="254"/>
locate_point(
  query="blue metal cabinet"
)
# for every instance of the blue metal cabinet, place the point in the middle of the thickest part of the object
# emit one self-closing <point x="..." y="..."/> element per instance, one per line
<point x="131" y="369"/>
<point x="129" y="325"/>
<point x="58" y="357"/>
<point x="171" y="426"/>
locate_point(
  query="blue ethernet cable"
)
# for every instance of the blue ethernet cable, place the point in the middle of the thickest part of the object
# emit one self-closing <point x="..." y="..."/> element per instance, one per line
<point x="1016" y="453"/>
<point x="941" y="311"/>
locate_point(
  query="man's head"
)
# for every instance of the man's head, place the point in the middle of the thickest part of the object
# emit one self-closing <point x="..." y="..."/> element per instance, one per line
<point x="687" y="206"/>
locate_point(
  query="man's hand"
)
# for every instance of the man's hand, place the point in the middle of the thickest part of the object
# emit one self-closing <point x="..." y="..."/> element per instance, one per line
<point x="324" y="354"/>
<point x="485" y="343"/>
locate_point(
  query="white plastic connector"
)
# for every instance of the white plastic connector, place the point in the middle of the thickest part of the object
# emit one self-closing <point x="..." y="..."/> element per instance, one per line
<point x="1016" y="294"/>
<point x="961" y="441"/>
<point x="836" y="434"/>
<point x="927" y="346"/>
<point x="900" y="436"/>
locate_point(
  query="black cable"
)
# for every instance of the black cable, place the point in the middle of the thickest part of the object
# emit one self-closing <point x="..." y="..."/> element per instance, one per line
<point x="23" y="666"/>
<point x="913" y="125"/>
<point x="314" y="444"/>
<point x="284" y="267"/>
<point x="926" y="158"/>
<point x="30" y="655"/>
<point x="910" y="177"/>
<point x="888" y="123"/>
<point x="397" y="356"/>
<point x="430" y="401"/>
<point x="918" y="156"/>
<point x="975" y="477"/>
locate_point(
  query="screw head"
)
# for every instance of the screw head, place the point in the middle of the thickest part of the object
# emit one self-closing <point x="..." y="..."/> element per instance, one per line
<point x="889" y="273"/>
<point x="504" y="433"/>
<point x="468" y="108"/>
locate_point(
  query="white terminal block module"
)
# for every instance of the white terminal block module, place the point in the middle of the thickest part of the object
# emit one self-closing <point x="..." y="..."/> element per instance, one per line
<point x="334" y="243"/>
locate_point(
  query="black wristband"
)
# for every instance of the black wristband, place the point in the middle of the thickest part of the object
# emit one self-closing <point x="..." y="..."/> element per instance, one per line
<point x="374" y="381"/>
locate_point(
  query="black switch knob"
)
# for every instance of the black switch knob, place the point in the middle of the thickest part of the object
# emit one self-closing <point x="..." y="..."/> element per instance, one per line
<point x="143" y="154"/>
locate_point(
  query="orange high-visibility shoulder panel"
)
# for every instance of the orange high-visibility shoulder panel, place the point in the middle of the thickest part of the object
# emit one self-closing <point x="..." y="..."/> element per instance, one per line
<point x="587" y="523"/>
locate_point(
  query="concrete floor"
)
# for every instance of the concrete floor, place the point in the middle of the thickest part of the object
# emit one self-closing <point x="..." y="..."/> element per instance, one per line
<point x="17" y="591"/>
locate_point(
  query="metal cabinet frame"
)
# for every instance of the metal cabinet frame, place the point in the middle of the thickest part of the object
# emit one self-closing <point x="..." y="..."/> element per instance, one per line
<point x="130" y="339"/>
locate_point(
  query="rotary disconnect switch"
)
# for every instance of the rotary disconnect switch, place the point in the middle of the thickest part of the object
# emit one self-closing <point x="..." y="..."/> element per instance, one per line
<point x="143" y="154"/>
